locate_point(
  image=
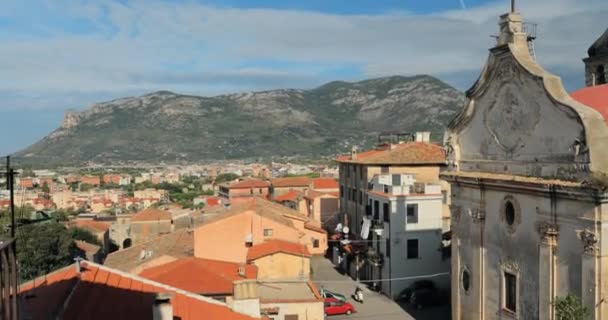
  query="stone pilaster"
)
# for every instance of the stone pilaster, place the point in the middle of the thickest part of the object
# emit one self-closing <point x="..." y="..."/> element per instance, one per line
<point x="590" y="273"/>
<point x="455" y="275"/>
<point x="478" y="264"/>
<point x="547" y="264"/>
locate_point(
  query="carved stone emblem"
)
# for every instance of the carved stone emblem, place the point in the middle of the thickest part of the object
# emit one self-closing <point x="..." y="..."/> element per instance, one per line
<point x="511" y="118"/>
<point x="546" y="229"/>
<point x="510" y="265"/>
<point x="589" y="240"/>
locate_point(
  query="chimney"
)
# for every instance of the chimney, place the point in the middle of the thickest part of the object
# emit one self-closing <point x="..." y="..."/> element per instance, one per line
<point x="241" y="271"/>
<point x="162" y="308"/>
<point x="78" y="266"/>
<point x="353" y="153"/>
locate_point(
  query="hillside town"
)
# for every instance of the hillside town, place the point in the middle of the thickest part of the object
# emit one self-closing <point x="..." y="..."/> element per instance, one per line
<point x="504" y="218"/>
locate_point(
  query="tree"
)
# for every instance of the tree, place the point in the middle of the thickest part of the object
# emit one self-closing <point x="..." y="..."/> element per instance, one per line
<point x="226" y="177"/>
<point x="84" y="235"/>
<point x="570" y="307"/>
<point x="44" y="247"/>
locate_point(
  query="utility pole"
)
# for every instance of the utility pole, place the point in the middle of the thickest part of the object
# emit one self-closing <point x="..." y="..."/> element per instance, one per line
<point x="10" y="185"/>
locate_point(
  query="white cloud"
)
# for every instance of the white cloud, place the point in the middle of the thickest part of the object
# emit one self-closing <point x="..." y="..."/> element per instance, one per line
<point x="136" y="47"/>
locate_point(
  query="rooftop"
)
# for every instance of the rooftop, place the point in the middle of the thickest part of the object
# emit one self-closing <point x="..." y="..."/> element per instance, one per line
<point x="325" y="183"/>
<point x="96" y="226"/>
<point x="413" y="153"/>
<point x="292" y="195"/>
<point x="99" y="292"/>
<point x="247" y="184"/>
<point x="290" y="182"/>
<point x="203" y="276"/>
<point x="595" y="97"/>
<point x="275" y="246"/>
<point x="151" y="214"/>
<point x="178" y="244"/>
<point x="288" y="292"/>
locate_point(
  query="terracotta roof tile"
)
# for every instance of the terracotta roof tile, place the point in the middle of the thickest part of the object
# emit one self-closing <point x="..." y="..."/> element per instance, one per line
<point x="595" y="97"/>
<point x="325" y="183"/>
<point x="203" y="276"/>
<point x="274" y="246"/>
<point x="96" y="226"/>
<point x="406" y="153"/>
<point x="248" y="183"/>
<point x="99" y="292"/>
<point x="292" y="195"/>
<point x="290" y="182"/>
<point x="151" y="214"/>
<point x="178" y="244"/>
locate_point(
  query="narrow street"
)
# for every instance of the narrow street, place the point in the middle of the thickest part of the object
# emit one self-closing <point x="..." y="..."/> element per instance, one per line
<point x="375" y="306"/>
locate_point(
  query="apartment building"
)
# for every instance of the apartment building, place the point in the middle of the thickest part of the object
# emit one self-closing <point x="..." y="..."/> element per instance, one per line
<point x="418" y="157"/>
<point x="404" y="224"/>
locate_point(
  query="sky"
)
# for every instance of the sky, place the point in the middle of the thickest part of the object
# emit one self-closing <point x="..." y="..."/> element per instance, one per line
<point x="58" y="55"/>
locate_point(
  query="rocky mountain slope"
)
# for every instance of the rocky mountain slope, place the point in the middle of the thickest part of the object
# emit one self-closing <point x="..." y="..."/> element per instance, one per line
<point x="310" y="123"/>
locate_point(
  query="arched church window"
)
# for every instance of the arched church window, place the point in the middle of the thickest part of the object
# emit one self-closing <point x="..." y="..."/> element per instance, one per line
<point x="509" y="213"/>
<point x="601" y="75"/>
<point x="466" y="279"/>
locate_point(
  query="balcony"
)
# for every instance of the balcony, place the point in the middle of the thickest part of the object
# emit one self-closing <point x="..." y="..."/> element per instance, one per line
<point x="9" y="285"/>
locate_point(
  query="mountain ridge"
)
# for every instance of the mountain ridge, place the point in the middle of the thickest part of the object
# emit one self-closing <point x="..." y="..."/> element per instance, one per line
<point x="328" y="119"/>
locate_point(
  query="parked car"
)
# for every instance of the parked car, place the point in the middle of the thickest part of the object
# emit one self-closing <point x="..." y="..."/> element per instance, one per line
<point x="421" y="293"/>
<point x="330" y="294"/>
<point x="334" y="306"/>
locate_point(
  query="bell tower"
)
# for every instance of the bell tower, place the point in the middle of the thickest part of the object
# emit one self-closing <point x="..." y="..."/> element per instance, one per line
<point x="596" y="64"/>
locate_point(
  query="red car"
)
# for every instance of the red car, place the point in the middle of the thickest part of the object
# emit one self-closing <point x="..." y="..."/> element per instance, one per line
<point x="334" y="306"/>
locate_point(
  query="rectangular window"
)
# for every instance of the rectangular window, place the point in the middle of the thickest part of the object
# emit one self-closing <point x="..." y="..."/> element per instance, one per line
<point x="388" y="248"/>
<point x="267" y="232"/>
<point x="376" y="210"/>
<point x="412" y="213"/>
<point x="386" y="212"/>
<point x="396" y="179"/>
<point x="384" y="169"/>
<point x="412" y="248"/>
<point x="510" y="292"/>
<point x="341" y="191"/>
<point x="444" y="193"/>
<point x="360" y="197"/>
<point x="315" y="243"/>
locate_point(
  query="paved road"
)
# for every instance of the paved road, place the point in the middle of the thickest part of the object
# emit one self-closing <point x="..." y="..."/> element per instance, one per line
<point x="376" y="306"/>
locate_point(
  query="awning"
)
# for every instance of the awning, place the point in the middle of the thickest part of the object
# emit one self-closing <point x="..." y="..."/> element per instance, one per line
<point x="367" y="223"/>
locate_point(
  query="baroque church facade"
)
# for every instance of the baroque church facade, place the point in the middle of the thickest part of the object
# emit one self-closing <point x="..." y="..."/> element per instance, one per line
<point x="527" y="169"/>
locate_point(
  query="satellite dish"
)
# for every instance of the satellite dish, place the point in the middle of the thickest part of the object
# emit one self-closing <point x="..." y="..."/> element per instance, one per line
<point x="345" y="230"/>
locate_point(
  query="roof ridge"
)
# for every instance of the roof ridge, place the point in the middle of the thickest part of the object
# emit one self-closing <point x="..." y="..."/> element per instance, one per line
<point x="160" y="285"/>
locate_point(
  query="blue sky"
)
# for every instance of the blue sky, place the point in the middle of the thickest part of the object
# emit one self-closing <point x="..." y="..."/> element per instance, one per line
<point x="67" y="54"/>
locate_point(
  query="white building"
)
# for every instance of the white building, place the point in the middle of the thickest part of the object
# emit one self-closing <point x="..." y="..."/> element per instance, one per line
<point x="405" y="225"/>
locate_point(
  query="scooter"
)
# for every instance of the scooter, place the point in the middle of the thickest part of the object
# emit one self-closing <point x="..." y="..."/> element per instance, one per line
<point x="358" y="295"/>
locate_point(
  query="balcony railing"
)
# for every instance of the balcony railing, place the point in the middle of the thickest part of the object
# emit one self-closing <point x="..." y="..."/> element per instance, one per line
<point x="9" y="285"/>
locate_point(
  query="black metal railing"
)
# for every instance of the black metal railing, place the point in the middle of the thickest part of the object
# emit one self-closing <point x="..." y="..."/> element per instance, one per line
<point x="9" y="286"/>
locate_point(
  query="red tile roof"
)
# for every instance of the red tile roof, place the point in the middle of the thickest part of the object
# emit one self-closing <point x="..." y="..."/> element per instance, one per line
<point x="290" y="182"/>
<point x="400" y="154"/>
<point x="292" y="195"/>
<point x="151" y="214"/>
<point x="99" y="292"/>
<point x="213" y="201"/>
<point x="275" y="246"/>
<point x="325" y="183"/>
<point x="595" y="97"/>
<point x="249" y="183"/>
<point x="96" y="226"/>
<point x="203" y="276"/>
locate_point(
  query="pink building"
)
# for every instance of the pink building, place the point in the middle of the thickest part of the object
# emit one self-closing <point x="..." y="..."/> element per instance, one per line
<point x="245" y="189"/>
<point x="253" y="222"/>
